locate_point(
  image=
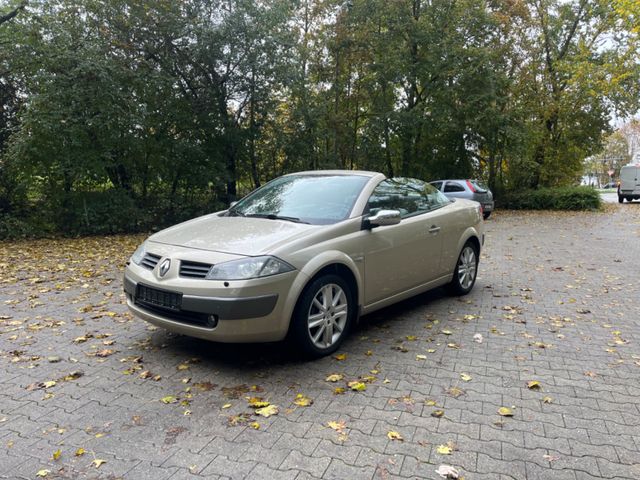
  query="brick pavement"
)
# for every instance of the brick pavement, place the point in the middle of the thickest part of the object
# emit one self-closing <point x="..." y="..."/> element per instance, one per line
<point x="556" y="302"/>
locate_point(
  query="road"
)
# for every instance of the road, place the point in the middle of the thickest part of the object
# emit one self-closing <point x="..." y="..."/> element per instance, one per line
<point x="549" y="337"/>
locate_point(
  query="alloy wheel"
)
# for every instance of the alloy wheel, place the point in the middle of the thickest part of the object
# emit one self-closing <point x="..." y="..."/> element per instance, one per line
<point x="327" y="316"/>
<point x="467" y="266"/>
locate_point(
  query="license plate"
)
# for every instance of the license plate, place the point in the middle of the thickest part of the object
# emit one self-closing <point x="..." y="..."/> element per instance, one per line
<point x="158" y="298"/>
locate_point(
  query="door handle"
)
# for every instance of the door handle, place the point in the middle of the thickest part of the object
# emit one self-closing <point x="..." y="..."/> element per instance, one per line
<point x="434" y="229"/>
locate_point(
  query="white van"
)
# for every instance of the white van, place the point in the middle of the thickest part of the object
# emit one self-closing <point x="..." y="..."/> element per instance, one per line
<point x="629" y="187"/>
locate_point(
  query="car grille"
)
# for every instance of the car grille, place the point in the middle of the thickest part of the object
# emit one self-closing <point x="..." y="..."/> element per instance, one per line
<point x="150" y="260"/>
<point x="194" y="269"/>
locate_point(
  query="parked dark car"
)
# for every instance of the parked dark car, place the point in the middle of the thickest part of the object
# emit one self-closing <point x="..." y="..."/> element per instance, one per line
<point x="469" y="189"/>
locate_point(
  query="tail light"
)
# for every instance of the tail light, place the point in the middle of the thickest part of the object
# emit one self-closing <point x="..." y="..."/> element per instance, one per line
<point x="471" y="187"/>
<point x="481" y="210"/>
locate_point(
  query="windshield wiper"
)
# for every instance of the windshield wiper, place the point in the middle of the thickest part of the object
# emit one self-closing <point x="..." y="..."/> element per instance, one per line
<point x="234" y="213"/>
<point x="273" y="216"/>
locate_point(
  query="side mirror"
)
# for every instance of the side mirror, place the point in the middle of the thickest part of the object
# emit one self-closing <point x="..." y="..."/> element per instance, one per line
<point x="384" y="218"/>
<point x="232" y="204"/>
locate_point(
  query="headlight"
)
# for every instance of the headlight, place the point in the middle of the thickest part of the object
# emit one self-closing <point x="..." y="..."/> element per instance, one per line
<point x="138" y="255"/>
<point x="246" y="268"/>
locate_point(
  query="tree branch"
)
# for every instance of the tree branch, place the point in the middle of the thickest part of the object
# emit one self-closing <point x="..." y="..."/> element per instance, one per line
<point x="13" y="13"/>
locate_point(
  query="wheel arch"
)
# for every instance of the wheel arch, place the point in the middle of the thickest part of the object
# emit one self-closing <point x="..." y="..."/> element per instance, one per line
<point x="328" y="262"/>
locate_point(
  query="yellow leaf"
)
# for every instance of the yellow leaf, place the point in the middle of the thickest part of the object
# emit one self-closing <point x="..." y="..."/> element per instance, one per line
<point x="394" y="436"/>
<point x="447" y="332"/>
<point x="368" y="353"/>
<point x="79" y="452"/>
<point x="49" y="384"/>
<point x="226" y="405"/>
<point x="340" y="357"/>
<point x="534" y="385"/>
<point x="338" y="390"/>
<point x="267" y="411"/>
<point x="334" y="377"/>
<point x="430" y="403"/>
<point x="183" y="366"/>
<point x="337" y="426"/>
<point x="302" y="401"/>
<point x="437" y="413"/>
<point x="56" y="455"/>
<point x="357" y="386"/>
<point x="97" y="462"/>
<point x="547" y="400"/>
<point x="258" y="402"/>
<point x="43" y="473"/>
<point x="431" y="350"/>
<point x="421" y="357"/>
<point x="505" y="412"/>
<point x="169" y="399"/>
<point x="443" y="450"/>
<point x="411" y="338"/>
<point x="255" y="425"/>
<point x="465" y="377"/>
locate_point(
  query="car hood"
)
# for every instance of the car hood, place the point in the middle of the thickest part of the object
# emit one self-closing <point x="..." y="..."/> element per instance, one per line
<point x="235" y="235"/>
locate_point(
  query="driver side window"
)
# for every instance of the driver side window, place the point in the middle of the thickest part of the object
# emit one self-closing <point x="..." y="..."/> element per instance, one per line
<point x="407" y="195"/>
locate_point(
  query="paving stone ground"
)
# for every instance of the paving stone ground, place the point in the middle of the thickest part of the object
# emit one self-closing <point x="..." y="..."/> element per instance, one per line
<point x="557" y="302"/>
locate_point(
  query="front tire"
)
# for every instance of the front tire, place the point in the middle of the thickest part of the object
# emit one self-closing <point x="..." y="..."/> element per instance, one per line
<point x="323" y="316"/>
<point x="464" y="276"/>
<point x="486" y="215"/>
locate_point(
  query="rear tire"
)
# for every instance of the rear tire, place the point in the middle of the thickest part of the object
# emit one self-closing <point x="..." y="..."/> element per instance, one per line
<point x="323" y="316"/>
<point x="466" y="271"/>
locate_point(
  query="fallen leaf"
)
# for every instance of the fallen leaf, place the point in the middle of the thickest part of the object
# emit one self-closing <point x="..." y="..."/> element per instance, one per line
<point x="337" y="426"/>
<point x="455" y="392"/>
<point x="255" y="425"/>
<point x="411" y="338"/>
<point x="437" y="413"/>
<point x="56" y="455"/>
<point x="97" y="462"/>
<point x="169" y="399"/>
<point x="340" y="357"/>
<point x="105" y="352"/>
<point x="394" y="436"/>
<point x="547" y="400"/>
<point x="465" y="377"/>
<point x="43" y="473"/>
<point x="447" y="332"/>
<point x="258" y="402"/>
<point x="534" y="385"/>
<point x="226" y="405"/>
<point x="421" y="357"/>
<point x="339" y="390"/>
<point x="357" y="386"/>
<point x="267" y="411"/>
<point x="477" y="338"/>
<point x="183" y="366"/>
<point x="302" y="401"/>
<point x="505" y="412"/>
<point x="443" y="450"/>
<point x="334" y="377"/>
<point x="79" y="452"/>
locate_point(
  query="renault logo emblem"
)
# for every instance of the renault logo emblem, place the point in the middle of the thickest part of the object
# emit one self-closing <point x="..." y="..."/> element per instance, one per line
<point x="164" y="267"/>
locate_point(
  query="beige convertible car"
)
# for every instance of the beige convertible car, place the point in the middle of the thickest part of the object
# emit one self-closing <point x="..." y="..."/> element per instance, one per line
<point x="303" y="257"/>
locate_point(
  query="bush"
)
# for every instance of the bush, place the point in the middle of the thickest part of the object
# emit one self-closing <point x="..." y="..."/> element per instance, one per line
<point x="96" y="213"/>
<point x="565" y="198"/>
<point x="12" y="227"/>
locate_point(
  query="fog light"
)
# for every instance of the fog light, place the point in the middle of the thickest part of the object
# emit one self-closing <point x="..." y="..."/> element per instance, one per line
<point x="212" y="321"/>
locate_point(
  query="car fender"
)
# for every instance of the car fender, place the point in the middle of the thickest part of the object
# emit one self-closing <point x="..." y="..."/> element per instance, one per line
<point x="310" y="269"/>
<point x="468" y="233"/>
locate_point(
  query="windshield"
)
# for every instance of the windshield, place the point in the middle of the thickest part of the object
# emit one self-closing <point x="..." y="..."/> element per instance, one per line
<point x="314" y="199"/>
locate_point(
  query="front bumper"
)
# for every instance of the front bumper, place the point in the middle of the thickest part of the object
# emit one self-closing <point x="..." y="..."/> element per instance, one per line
<point x="251" y="311"/>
